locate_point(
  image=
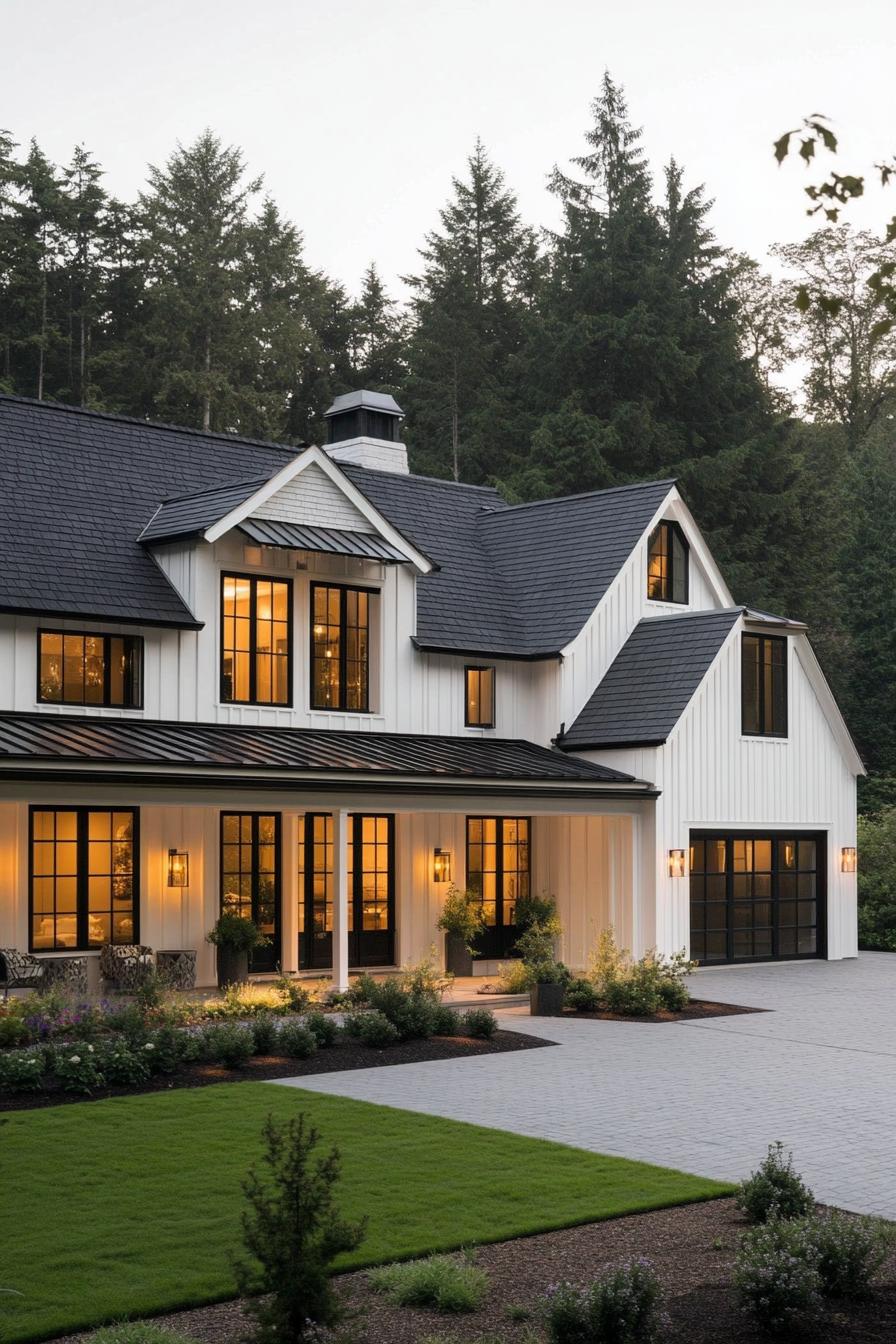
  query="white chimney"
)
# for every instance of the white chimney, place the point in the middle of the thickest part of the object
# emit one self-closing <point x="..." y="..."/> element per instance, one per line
<point x="363" y="428"/>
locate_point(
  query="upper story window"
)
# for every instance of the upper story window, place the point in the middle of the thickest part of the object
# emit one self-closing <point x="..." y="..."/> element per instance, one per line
<point x="479" y="690"/>
<point x="667" y="564"/>
<point x="340" y="648"/>
<point x="764" y="685"/>
<point x="256" y="640"/>
<point x="82" y="669"/>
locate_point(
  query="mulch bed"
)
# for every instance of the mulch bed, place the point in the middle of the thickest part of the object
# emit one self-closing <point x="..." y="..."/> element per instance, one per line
<point x="691" y="1249"/>
<point x="696" y="1009"/>
<point x="333" y="1059"/>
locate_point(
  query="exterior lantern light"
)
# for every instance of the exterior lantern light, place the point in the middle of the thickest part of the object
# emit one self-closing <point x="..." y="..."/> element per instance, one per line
<point x="178" y="868"/>
<point x="441" y="865"/>
<point x="848" y="859"/>
<point x="676" y="863"/>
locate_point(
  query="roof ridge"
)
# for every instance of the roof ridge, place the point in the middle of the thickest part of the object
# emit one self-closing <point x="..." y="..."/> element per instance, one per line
<point x="47" y="405"/>
<point x="417" y="476"/>
<point x="589" y="494"/>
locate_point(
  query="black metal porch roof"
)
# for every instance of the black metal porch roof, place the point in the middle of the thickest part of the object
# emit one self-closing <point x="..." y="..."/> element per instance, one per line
<point x="131" y="745"/>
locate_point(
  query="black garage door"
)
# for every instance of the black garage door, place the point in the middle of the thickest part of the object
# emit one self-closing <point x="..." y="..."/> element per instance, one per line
<point x="756" y="897"/>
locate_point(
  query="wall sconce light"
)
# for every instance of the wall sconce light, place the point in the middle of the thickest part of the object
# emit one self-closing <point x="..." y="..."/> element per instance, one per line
<point x="178" y="868"/>
<point x="848" y="859"/>
<point x="441" y="865"/>
<point x="676" y="863"/>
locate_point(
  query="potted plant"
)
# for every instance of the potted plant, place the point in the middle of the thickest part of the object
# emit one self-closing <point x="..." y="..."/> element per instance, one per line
<point x="548" y="989"/>
<point x="235" y="937"/>
<point x="461" y="919"/>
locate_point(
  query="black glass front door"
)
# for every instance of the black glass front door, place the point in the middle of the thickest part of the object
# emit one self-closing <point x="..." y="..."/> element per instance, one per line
<point x="371" y="890"/>
<point x="250" y="877"/>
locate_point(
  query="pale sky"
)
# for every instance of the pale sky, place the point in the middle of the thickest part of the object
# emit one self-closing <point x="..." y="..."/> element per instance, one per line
<point x="358" y="112"/>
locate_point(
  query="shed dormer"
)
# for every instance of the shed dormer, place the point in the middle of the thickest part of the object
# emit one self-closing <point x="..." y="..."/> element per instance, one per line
<point x="363" y="428"/>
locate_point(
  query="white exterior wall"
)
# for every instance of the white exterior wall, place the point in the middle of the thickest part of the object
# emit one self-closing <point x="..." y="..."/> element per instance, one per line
<point x="712" y="777"/>
<point x="584" y="860"/>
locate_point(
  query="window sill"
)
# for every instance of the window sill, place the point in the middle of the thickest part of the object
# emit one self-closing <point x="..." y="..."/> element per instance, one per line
<point x="765" y="737"/>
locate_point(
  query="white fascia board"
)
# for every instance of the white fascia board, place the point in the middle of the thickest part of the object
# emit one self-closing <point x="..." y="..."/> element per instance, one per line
<point x="314" y="456"/>
<point x="825" y="696"/>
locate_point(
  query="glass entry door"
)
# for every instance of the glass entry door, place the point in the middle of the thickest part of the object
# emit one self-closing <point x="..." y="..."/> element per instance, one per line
<point x="371" y="890"/>
<point x="498" y="863"/>
<point x="250" y="877"/>
<point x="756" y="897"/>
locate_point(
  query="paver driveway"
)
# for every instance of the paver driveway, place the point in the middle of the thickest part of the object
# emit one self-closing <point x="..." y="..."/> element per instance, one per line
<point x="818" y="1072"/>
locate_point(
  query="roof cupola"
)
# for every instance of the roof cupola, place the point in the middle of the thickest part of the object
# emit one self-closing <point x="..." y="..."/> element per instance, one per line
<point x="363" y="428"/>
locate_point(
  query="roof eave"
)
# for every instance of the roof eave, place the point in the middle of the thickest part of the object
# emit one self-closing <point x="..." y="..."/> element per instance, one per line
<point x="110" y="618"/>
<point x="630" y="743"/>
<point x="513" y="655"/>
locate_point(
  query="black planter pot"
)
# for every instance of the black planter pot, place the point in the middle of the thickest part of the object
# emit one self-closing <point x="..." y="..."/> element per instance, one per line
<point x="458" y="957"/>
<point x="233" y="967"/>
<point x="546" y="1000"/>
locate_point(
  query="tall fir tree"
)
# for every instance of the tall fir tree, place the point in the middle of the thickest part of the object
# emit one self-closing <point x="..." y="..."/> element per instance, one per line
<point x="470" y="304"/>
<point x="378" y="337"/>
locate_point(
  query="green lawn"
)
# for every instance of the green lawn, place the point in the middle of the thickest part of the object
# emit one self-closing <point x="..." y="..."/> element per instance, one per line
<point x="131" y="1206"/>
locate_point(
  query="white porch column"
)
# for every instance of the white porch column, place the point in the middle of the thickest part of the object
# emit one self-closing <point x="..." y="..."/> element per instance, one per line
<point x="340" y="899"/>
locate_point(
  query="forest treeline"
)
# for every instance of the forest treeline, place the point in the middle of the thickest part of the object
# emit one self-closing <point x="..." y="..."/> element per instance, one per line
<point x="628" y="343"/>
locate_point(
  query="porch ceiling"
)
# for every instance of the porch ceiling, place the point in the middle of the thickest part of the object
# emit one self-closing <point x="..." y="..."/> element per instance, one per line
<point x="73" y="746"/>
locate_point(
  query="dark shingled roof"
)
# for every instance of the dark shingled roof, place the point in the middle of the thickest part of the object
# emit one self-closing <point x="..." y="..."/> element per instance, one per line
<point x="513" y="581"/>
<point x="82" y="485"/>
<point x="651" y="681"/>
<point x="70" y="741"/>
<point x="519" y="581"/>
<point x="187" y="515"/>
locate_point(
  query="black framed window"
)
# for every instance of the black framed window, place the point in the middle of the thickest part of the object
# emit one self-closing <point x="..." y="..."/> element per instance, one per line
<point x="78" y="668"/>
<point x="340" y="647"/>
<point x="250" y="877"/>
<point x="479" y="697"/>
<point x="256" y="640"/>
<point x="498" y="866"/>
<point x="370" y="845"/>
<point x="84" y="877"/>
<point x="667" y="564"/>
<point x="764" y="685"/>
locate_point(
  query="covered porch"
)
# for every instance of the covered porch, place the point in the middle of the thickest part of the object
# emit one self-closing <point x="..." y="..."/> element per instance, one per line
<point x="341" y="847"/>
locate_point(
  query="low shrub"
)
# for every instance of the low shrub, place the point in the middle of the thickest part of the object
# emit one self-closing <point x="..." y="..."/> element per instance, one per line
<point x="848" y="1251"/>
<point x="172" y="1047"/>
<point x="624" y="1306"/>
<point x="412" y="1011"/>
<point x="123" y="1067"/>
<point x="229" y="1044"/>
<point x="425" y="977"/>
<point x="13" y="1031"/>
<point x="137" y="1332"/>
<point x="775" y="1189"/>
<point x="777" y="1277"/>
<point x="293" y="993"/>
<point x="480" y="1022"/>
<point x="515" y="977"/>
<point x="449" y="1283"/>
<point x="446" y="1021"/>
<point x="296" y="1041"/>
<point x="22" y="1070"/>
<point x="77" y="1067"/>
<point x="637" y="995"/>
<point x="264" y="1033"/>
<point x="372" y="1028"/>
<point x="582" y="996"/>
<point x="674" y="995"/>
<point x="323" y="1029"/>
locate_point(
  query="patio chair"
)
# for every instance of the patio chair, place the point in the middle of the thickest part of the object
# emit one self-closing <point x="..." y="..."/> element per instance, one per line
<point x="125" y="966"/>
<point x="19" y="970"/>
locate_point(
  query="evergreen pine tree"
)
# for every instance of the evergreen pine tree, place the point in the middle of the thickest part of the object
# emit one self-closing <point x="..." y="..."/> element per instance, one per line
<point x="378" y="337"/>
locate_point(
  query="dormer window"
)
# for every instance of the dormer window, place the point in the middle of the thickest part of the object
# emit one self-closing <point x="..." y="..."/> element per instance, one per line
<point x="76" y="668"/>
<point x="667" y="564"/>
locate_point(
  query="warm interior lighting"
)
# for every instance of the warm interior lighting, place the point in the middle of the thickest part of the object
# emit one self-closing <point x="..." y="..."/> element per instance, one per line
<point x="848" y="859"/>
<point x="252" y="555"/>
<point x="441" y="865"/>
<point x="178" y="868"/>
<point x="676" y="863"/>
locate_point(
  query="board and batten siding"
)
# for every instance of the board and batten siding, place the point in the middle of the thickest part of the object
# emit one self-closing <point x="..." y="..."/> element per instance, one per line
<point x="712" y="777"/>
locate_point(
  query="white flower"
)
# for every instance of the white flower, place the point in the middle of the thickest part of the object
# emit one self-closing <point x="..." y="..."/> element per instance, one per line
<point x="74" y="1059"/>
<point x="90" y="1048"/>
<point x="149" y="1046"/>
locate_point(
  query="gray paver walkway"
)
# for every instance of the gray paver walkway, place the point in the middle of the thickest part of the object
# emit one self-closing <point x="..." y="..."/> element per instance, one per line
<point x="817" y="1072"/>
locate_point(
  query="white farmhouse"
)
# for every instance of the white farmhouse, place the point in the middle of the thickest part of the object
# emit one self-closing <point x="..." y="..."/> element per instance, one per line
<point x="315" y="688"/>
